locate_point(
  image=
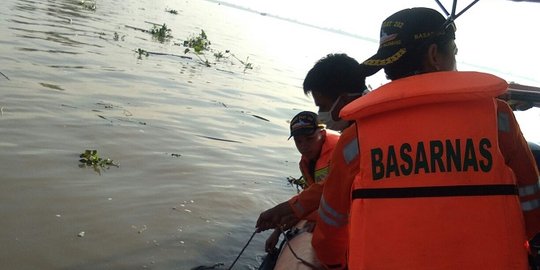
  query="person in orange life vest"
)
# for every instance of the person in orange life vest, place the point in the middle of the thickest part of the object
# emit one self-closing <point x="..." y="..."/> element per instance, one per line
<point x="316" y="145"/>
<point x="446" y="178"/>
<point x="333" y="82"/>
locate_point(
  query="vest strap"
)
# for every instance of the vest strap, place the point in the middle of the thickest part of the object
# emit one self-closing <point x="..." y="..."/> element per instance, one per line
<point x="437" y="191"/>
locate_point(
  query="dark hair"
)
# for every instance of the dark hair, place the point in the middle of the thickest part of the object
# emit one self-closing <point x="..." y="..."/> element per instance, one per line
<point x="412" y="62"/>
<point x="334" y="75"/>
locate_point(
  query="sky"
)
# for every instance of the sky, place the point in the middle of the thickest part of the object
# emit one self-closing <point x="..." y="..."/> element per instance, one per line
<point x="495" y="36"/>
<point x="499" y="36"/>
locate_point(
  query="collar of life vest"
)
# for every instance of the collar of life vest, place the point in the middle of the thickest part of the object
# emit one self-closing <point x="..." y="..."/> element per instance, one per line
<point x="428" y="88"/>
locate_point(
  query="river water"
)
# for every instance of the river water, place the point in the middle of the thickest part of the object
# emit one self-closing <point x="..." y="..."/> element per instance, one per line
<point x="201" y="150"/>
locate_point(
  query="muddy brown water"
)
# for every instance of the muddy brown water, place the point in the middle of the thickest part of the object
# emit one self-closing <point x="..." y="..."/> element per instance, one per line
<point x="201" y="150"/>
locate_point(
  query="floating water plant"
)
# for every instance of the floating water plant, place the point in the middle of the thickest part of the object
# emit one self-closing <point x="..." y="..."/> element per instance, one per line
<point x="198" y="43"/>
<point x="117" y="37"/>
<point x="90" y="5"/>
<point x="220" y="55"/>
<point x="161" y="33"/>
<point x="299" y="183"/>
<point x="247" y="65"/>
<point x="90" y="158"/>
<point x="141" y="53"/>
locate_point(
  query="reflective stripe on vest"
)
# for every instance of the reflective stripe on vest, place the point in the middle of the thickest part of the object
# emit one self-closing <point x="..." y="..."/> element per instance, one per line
<point x="530" y="189"/>
<point x="350" y="151"/>
<point x="321" y="174"/>
<point x="331" y="216"/>
<point x="530" y="205"/>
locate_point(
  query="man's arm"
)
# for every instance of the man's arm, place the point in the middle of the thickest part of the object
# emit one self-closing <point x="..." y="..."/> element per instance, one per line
<point x="330" y="237"/>
<point x="271" y="218"/>
<point x="519" y="158"/>
<point x="307" y="201"/>
<point x="298" y="207"/>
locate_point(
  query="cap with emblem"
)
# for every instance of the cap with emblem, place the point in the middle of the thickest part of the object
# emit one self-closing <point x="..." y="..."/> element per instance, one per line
<point x="304" y="123"/>
<point x="404" y="31"/>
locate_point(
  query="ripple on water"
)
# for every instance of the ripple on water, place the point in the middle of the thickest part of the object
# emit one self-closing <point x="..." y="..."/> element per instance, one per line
<point x="74" y="86"/>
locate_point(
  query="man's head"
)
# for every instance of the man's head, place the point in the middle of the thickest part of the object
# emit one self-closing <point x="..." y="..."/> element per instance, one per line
<point x="308" y="134"/>
<point x="334" y="81"/>
<point x="414" y="41"/>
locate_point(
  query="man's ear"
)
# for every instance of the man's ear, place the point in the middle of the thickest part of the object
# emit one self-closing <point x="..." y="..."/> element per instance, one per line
<point x="432" y="62"/>
<point x="322" y="133"/>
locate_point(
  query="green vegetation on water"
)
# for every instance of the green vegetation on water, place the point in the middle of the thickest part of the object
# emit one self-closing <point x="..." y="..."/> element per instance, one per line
<point x="90" y="5"/>
<point x="299" y="183"/>
<point x="161" y="33"/>
<point x="117" y="37"/>
<point x="142" y="53"/>
<point x="199" y="44"/>
<point x="196" y="44"/>
<point x="90" y="158"/>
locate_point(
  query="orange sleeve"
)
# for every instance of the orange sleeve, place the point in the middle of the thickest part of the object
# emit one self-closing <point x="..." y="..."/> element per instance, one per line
<point x="519" y="158"/>
<point x="307" y="201"/>
<point x="330" y="237"/>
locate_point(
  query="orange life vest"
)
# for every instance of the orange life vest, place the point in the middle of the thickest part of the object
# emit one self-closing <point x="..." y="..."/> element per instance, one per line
<point x="321" y="166"/>
<point x="312" y="194"/>
<point x="433" y="190"/>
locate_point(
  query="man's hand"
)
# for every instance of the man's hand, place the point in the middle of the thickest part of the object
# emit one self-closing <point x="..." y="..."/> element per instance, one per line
<point x="288" y="222"/>
<point x="272" y="217"/>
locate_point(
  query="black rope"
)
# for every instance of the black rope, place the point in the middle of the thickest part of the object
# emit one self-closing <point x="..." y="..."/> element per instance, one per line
<point x="242" y="251"/>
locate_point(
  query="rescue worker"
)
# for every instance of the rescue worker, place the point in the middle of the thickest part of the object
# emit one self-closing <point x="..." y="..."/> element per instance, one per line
<point x="316" y="145"/>
<point x="446" y="178"/>
<point x="333" y="82"/>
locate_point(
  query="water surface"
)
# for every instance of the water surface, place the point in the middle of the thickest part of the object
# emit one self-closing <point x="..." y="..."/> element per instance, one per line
<point x="202" y="150"/>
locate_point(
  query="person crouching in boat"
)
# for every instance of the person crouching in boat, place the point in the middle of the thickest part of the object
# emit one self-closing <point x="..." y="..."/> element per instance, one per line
<point x="316" y="145"/>
<point x="333" y="82"/>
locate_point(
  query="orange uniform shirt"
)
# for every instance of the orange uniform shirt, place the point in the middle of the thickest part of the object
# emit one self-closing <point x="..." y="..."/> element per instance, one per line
<point x="330" y="237"/>
<point x="517" y="156"/>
